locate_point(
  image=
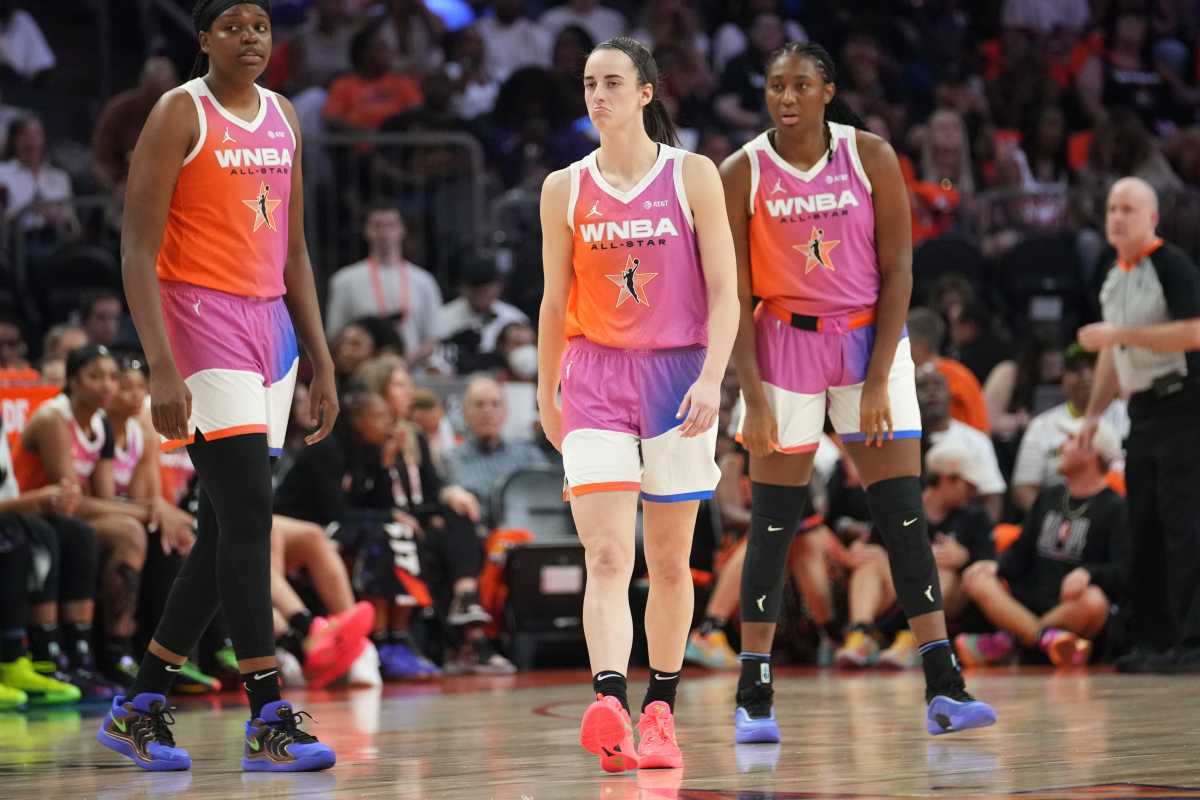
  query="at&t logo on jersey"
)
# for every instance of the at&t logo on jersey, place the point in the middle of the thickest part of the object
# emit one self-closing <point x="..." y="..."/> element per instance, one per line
<point x="254" y="160"/>
<point x="627" y="233"/>
<point x="814" y="206"/>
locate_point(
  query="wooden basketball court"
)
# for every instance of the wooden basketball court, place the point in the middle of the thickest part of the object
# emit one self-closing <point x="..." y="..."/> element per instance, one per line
<point x="1061" y="735"/>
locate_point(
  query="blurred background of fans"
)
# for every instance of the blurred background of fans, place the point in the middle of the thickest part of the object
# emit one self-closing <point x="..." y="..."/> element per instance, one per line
<point x="429" y="126"/>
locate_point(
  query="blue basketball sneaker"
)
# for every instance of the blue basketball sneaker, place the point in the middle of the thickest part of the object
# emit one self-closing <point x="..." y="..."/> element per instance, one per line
<point x="754" y="719"/>
<point x="275" y="743"/>
<point x="139" y="729"/>
<point x="951" y="708"/>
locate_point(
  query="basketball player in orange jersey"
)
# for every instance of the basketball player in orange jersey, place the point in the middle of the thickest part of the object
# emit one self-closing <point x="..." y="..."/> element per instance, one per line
<point x="820" y="220"/>
<point x="214" y="258"/>
<point x="637" y="322"/>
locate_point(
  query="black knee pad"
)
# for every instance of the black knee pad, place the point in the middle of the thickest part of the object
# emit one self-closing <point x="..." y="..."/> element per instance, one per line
<point x="775" y="514"/>
<point x="79" y="558"/>
<point x="899" y="515"/>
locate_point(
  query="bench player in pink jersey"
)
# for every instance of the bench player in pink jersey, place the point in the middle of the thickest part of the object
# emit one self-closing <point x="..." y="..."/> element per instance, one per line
<point x="820" y="220"/>
<point x="214" y="259"/>
<point x="637" y="322"/>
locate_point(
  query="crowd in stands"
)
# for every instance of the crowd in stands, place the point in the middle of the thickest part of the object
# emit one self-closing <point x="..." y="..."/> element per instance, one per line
<point x="1011" y="120"/>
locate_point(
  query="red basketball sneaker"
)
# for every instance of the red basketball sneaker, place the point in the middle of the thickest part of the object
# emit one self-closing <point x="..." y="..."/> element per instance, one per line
<point x="656" y="738"/>
<point x="607" y="731"/>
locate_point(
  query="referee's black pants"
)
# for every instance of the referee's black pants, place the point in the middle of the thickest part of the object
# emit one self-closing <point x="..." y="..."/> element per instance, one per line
<point x="1162" y="475"/>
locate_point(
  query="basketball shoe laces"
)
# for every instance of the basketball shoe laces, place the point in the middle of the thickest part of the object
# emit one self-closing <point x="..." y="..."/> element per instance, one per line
<point x="661" y="732"/>
<point x="288" y="727"/>
<point x="155" y="725"/>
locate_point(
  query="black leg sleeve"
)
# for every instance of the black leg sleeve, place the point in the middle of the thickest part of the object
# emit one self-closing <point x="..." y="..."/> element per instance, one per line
<point x="775" y="514"/>
<point x="158" y="576"/>
<point x="193" y="601"/>
<point x="899" y="514"/>
<point x="237" y="477"/>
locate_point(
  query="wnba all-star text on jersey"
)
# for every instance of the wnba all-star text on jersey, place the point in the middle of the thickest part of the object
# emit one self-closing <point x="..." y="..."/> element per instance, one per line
<point x="255" y="160"/>
<point x="800" y="208"/>
<point x="628" y="233"/>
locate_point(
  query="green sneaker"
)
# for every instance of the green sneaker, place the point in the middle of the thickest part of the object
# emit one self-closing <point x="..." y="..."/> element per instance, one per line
<point x="41" y="690"/>
<point x="226" y="659"/>
<point x="11" y="698"/>
<point x="192" y="681"/>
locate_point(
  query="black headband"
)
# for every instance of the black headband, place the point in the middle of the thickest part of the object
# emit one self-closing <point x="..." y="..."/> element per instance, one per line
<point x="206" y="14"/>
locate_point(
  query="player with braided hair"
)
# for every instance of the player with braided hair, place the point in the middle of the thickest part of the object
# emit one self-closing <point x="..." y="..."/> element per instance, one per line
<point x="821" y="224"/>
<point x="216" y="268"/>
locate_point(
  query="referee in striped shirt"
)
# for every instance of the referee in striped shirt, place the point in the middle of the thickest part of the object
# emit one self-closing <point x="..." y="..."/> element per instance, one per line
<point x="1149" y="345"/>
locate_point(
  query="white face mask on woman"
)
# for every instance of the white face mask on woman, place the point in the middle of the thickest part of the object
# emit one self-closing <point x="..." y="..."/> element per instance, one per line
<point x="523" y="362"/>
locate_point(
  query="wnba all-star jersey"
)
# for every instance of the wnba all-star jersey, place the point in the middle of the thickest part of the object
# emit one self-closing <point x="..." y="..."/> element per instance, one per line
<point x="638" y="281"/>
<point x="126" y="459"/>
<point x="88" y="447"/>
<point x="812" y="233"/>
<point x="227" y="228"/>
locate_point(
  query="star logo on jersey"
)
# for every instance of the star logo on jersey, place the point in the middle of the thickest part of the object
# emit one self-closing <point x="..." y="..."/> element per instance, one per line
<point x="263" y="207"/>
<point x="816" y="251"/>
<point x="632" y="283"/>
<point x="778" y="187"/>
<point x="595" y="211"/>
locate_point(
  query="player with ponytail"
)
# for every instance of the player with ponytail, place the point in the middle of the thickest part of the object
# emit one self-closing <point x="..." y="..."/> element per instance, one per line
<point x="638" y="316"/>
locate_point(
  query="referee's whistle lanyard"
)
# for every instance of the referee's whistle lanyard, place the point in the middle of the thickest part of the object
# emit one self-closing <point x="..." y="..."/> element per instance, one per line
<point x="402" y="288"/>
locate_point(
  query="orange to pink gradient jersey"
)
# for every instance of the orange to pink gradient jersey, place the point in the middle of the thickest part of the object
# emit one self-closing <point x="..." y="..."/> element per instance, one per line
<point x="812" y="233"/>
<point x="227" y="228"/>
<point x="638" y="280"/>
